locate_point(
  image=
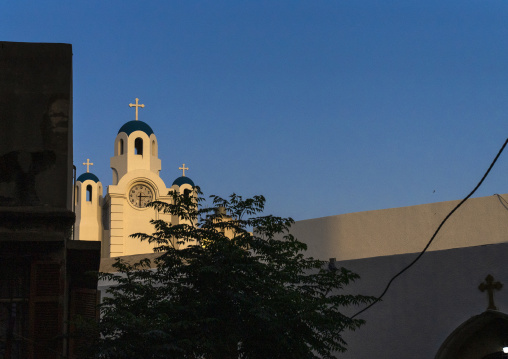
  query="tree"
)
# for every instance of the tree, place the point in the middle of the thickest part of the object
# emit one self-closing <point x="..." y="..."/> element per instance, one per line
<point x="220" y="291"/>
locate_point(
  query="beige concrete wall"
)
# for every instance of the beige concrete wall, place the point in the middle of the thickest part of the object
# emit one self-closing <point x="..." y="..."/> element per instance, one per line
<point x="479" y="221"/>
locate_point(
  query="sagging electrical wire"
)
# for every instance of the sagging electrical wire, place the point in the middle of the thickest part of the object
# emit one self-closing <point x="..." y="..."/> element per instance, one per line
<point x="435" y="233"/>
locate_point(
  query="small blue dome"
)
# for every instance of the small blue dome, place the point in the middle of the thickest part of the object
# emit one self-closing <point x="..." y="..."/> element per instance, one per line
<point x="88" y="176"/>
<point x="132" y="126"/>
<point x="182" y="180"/>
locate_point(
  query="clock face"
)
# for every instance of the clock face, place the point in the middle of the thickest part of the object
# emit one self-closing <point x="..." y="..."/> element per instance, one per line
<point x="140" y="195"/>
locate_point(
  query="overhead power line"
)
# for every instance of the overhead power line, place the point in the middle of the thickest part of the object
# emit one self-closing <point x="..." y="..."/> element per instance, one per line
<point x="435" y="233"/>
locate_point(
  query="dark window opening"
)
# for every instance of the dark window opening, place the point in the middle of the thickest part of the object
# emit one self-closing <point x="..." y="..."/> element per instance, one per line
<point x="186" y="193"/>
<point x="120" y="145"/>
<point x="89" y="193"/>
<point x="14" y="295"/>
<point x="138" y="146"/>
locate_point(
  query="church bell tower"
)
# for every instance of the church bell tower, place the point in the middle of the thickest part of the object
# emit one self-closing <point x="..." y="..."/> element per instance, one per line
<point x="135" y="148"/>
<point x="124" y="209"/>
<point x="88" y="201"/>
<point x="136" y="182"/>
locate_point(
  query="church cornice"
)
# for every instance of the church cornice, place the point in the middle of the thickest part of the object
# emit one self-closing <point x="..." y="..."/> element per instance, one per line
<point x="116" y="195"/>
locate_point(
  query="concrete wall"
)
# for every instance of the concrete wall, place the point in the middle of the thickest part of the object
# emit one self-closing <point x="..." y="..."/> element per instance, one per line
<point x="35" y="125"/>
<point x="427" y="303"/>
<point x="391" y="231"/>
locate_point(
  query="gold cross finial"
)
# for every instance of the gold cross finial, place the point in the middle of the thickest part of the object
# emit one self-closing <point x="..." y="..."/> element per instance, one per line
<point x="137" y="106"/>
<point x="183" y="168"/>
<point x="489" y="286"/>
<point x="87" y="164"/>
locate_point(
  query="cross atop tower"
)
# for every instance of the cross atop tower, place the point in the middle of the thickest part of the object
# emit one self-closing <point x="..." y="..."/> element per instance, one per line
<point x="489" y="286"/>
<point x="183" y="168"/>
<point x="137" y="106"/>
<point x="87" y="164"/>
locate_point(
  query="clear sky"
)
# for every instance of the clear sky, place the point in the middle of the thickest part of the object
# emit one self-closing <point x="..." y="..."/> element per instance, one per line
<point x="324" y="107"/>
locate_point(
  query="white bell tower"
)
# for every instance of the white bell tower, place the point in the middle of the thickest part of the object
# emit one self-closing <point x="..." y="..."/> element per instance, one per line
<point x="136" y="182"/>
<point x="136" y="148"/>
<point x="88" y="202"/>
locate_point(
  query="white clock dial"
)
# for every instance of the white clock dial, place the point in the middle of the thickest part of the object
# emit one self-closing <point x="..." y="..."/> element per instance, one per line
<point x="140" y="195"/>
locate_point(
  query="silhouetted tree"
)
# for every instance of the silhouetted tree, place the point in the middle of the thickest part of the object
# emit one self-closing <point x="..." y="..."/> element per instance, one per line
<point x="219" y="291"/>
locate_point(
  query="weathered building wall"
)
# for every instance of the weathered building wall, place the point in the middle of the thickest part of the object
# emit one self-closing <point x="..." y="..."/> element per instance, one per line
<point x="42" y="271"/>
<point x="35" y="124"/>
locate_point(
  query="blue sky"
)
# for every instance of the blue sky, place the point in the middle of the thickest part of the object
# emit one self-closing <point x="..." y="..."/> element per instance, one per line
<point x="324" y="107"/>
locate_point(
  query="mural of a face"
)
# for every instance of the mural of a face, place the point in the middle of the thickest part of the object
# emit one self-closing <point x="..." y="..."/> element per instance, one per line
<point x="55" y="126"/>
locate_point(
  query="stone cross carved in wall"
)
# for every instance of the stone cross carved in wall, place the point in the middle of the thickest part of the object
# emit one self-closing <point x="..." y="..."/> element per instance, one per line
<point x="137" y="105"/>
<point x="489" y="286"/>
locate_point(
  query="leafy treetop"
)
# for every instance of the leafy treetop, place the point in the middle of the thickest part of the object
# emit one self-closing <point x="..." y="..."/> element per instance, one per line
<point x="217" y="290"/>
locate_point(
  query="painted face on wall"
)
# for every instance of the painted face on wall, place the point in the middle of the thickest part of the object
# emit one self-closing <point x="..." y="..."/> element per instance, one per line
<point x="56" y="125"/>
<point x="58" y="114"/>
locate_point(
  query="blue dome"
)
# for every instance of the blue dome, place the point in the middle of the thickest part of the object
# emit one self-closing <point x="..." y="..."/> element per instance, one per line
<point x="132" y="126"/>
<point x="182" y="180"/>
<point x="88" y="176"/>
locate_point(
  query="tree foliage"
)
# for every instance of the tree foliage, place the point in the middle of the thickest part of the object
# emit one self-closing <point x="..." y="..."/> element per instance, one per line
<point x="218" y="290"/>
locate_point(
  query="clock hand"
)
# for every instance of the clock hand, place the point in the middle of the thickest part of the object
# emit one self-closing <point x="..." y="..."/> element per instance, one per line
<point x="140" y="198"/>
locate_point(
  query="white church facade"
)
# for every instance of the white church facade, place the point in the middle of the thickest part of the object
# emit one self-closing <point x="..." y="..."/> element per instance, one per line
<point x="122" y="210"/>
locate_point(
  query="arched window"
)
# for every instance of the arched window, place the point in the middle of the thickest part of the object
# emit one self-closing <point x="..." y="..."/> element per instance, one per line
<point x="481" y="336"/>
<point x="138" y="146"/>
<point x="120" y="147"/>
<point x="89" y="193"/>
<point x="187" y="193"/>
<point x="154" y="153"/>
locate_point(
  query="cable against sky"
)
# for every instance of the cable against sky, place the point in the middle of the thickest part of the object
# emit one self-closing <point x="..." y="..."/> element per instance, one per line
<point x="435" y="233"/>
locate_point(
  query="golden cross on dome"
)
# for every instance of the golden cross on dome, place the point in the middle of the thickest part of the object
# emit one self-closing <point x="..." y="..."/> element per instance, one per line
<point x="137" y="106"/>
<point x="183" y="168"/>
<point x="87" y="164"/>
